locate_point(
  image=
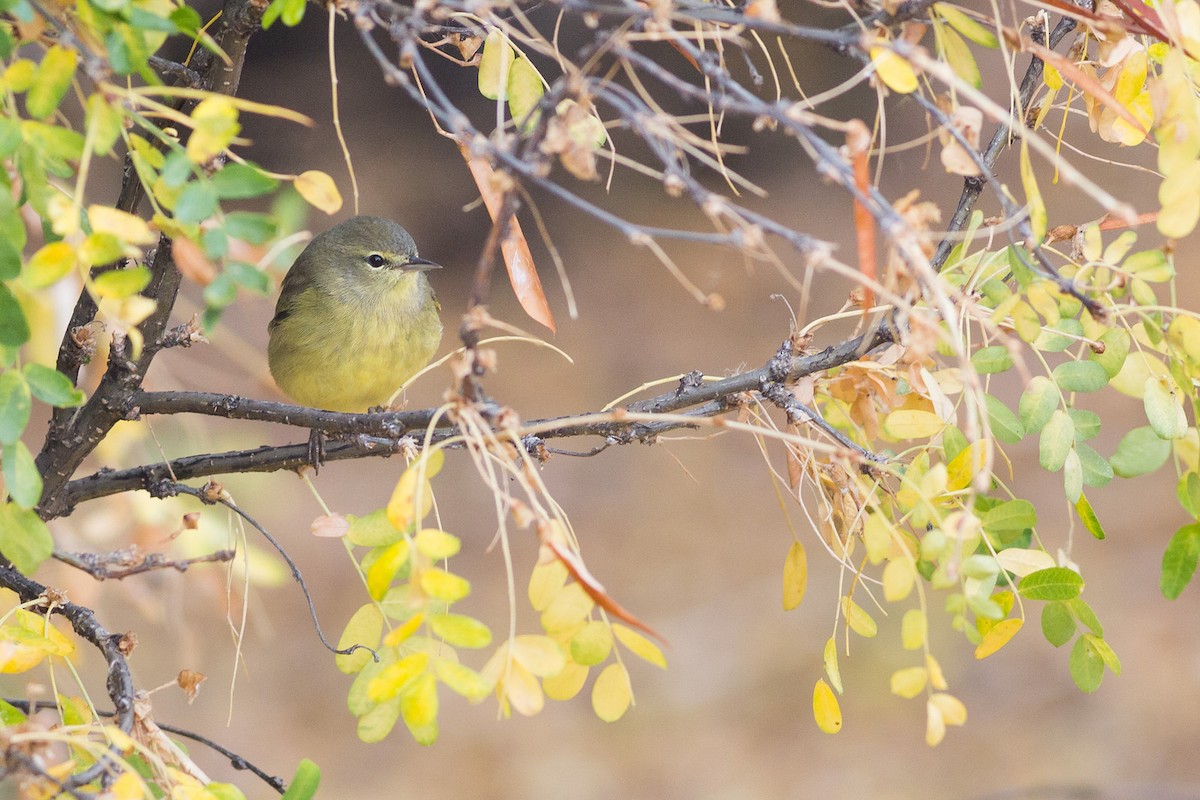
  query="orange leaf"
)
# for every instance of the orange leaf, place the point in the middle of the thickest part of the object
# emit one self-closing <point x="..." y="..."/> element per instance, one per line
<point x="858" y="143"/>
<point x="522" y="273"/>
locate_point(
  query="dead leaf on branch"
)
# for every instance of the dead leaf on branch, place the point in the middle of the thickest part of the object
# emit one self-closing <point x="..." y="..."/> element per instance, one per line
<point x="522" y="273"/>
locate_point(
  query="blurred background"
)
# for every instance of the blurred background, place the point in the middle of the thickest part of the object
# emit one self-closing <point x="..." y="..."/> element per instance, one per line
<point x="687" y="534"/>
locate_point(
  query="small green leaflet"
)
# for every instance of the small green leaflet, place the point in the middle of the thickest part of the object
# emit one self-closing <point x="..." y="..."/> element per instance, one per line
<point x="1179" y="561"/>
<point x="1055" y="583"/>
<point x="1088" y="517"/>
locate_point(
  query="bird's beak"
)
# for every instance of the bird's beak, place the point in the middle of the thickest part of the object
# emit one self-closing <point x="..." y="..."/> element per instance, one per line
<point x="419" y="265"/>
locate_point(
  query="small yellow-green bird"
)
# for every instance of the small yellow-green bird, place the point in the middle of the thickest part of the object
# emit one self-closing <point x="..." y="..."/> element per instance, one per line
<point x="356" y="317"/>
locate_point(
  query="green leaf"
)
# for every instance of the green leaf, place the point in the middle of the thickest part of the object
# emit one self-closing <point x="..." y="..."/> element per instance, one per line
<point x="1179" y="561"/>
<point x="250" y="227"/>
<point x="1080" y="376"/>
<point x="494" y="65"/>
<point x="242" y="181"/>
<point x="372" y="530"/>
<point x="21" y="476"/>
<point x="1086" y="665"/>
<point x="1106" y="653"/>
<point x="524" y="91"/>
<point x="1163" y="410"/>
<point x="989" y="360"/>
<point x="1073" y="476"/>
<point x="966" y="25"/>
<point x="1059" y="336"/>
<point x="1054" y="583"/>
<point x="14" y="330"/>
<point x="1150" y="265"/>
<point x="304" y="783"/>
<point x="24" y="538"/>
<point x="1188" y="491"/>
<point x="1116" y="350"/>
<point x="1056" y="440"/>
<point x="249" y="276"/>
<point x="1057" y="623"/>
<point x="1083" y="612"/>
<point x="1088" y="516"/>
<point x="120" y="283"/>
<point x="1097" y="472"/>
<point x="365" y="627"/>
<point x="10" y="261"/>
<point x="53" y="141"/>
<point x="11" y="715"/>
<point x="197" y="202"/>
<point x="1011" y="515"/>
<point x="1005" y="425"/>
<point x="953" y="443"/>
<point x="1087" y="423"/>
<point x="52" y="81"/>
<point x="957" y="54"/>
<point x="10" y="136"/>
<point x="293" y="12"/>
<point x="15" y="405"/>
<point x="1140" y="451"/>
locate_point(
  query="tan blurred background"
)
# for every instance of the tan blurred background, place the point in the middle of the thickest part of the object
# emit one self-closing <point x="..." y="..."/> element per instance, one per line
<point x="686" y="534"/>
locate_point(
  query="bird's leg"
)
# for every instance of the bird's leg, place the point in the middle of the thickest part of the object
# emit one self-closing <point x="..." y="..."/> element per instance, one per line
<point x="316" y="448"/>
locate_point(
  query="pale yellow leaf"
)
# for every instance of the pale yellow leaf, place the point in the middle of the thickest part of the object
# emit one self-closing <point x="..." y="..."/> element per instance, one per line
<point x="612" y="693"/>
<point x="898" y="579"/>
<point x="832" y="671"/>
<point x="909" y="682"/>
<point x="319" y="190"/>
<point x="639" y="645"/>
<point x="912" y="424"/>
<point x="896" y="73"/>
<point x="913" y="629"/>
<point x="858" y="619"/>
<point x="795" y="576"/>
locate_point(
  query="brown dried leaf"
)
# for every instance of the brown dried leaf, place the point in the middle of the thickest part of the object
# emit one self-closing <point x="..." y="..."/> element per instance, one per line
<point x="192" y="262"/>
<point x="522" y="273"/>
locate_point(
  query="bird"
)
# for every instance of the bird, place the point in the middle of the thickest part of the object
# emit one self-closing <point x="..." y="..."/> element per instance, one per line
<point x="356" y="317"/>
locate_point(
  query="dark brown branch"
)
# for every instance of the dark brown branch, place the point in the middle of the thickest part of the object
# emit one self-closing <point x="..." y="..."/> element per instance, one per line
<point x="132" y="561"/>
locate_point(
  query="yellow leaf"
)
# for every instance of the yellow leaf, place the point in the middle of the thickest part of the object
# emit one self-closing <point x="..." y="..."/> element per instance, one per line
<point x="795" y="576"/>
<point x="389" y="562"/>
<point x="126" y="227"/>
<point x="909" y="682"/>
<point x="953" y="710"/>
<point x="568" y="609"/>
<point x="545" y="582"/>
<point x="913" y="629"/>
<point x="912" y="424"/>
<point x="898" y="580"/>
<point x="319" y="190"/>
<point x="877" y="535"/>
<point x="826" y="710"/>
<point x="402" y="633"/>
<point x="396" y="677"/>
<point x="962" y="470"/>
<point x="128" y="786"/>
<point x="48" y="265"/>
<point x="215" y="124"/>
<point x="365" y="627"/>
<point x="17" y="657"/>
<point x="858" y="619"/>
<point x="522" y="691"/>
<point x="567" y="683"/>
<point x="541" y="655"/>
<point x="893" y="70"/>
<point x="444" y="585"/>
<point x="612" y="693"/>
<point x="419" y="705"/>
<point x="410" y="500"/>
<point x="998" y="636"/>
<point x="462" y="680"/>
<point x="437" y="544"/>
<point x="935" y="724"/>
<point x="832" y="671"/>
<point x="1180" y="201"/>
<point x="936" y="679"/>
<point x="1037" y="206"/>
<point x="639" y="645"/>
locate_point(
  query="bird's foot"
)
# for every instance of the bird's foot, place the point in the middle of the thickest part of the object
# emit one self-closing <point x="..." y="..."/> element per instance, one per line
<point x="316" y="449"/>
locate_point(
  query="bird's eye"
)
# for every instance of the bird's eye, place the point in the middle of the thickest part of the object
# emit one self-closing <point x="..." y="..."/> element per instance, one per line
<point x="376" y="261"/>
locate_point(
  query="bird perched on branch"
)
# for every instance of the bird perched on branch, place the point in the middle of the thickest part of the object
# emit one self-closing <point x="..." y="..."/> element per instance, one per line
<point x="356" y="317"/>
